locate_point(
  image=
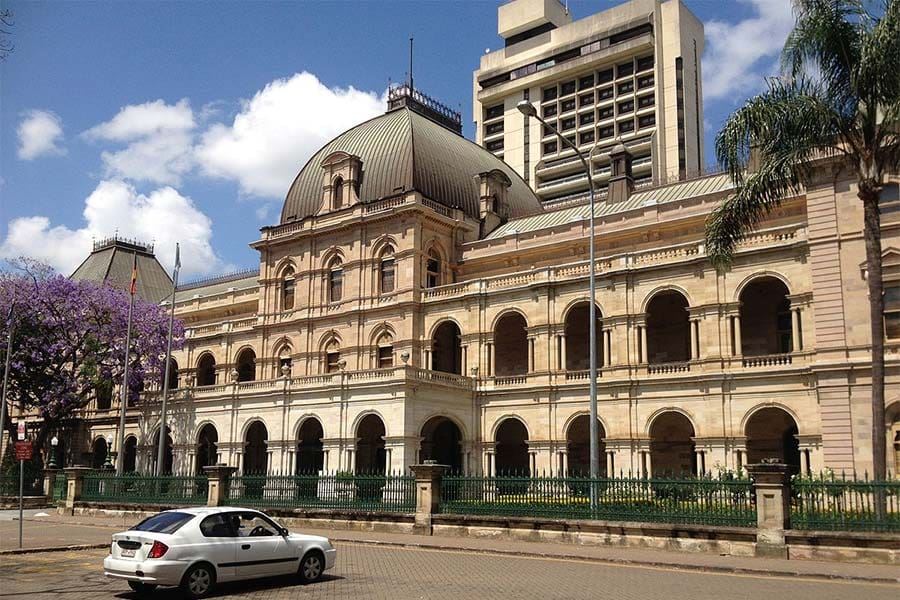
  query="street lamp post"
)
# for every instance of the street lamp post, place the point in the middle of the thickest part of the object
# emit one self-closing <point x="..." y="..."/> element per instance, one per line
<point x="527" y="108"/>
<point x="54" y="461"/>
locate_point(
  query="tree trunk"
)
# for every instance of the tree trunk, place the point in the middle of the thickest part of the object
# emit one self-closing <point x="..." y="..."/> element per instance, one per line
<point x="876" y="312"/>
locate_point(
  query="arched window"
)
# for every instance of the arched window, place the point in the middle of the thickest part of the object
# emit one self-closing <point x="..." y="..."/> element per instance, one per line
<point x="129" y="461"/>
<point x="385" y="349"/>
<point x="246" y="365"/>
<point x="386" y="271"/>
<point x="206" y="370"/>
<point x="433" y="269"/>
<point x="173" y="374"/>
<point x="511" y="345"/>
<point x="207" y="447"/>
<point x="104" y="391"/>
<point x="332" y="357"/>
<point x="287" y="290"/>
<point x="447" y="348"/>
<point x="337" y="194"/>
<point x="335" y="281"/>
<point x="284" y="360"/>
<point x="765" y="318"/>
<point x="668" y="328"/>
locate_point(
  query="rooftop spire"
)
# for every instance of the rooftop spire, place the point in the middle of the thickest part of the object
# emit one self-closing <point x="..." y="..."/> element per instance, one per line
<point x="411" y="86"/>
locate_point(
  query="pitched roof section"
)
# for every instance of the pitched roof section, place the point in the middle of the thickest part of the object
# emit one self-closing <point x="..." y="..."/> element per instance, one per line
<point x="111" y="262"/>
<point x="403" y="151"/>
<point x="242" y="280"/>
<point x="661" y="195"/>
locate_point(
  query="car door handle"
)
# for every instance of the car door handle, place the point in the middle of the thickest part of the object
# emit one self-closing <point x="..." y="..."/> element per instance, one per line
<point x="245" y="547"/>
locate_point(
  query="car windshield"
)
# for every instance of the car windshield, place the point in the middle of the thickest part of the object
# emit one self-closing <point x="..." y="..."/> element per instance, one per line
<point x="166" y="522"/>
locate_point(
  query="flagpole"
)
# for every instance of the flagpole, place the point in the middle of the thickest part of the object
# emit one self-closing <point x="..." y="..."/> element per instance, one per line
<point x="165" y="393"/>
<point x="120" y="434"/>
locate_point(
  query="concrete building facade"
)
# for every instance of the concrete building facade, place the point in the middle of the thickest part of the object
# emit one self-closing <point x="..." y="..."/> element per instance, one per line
<point x="630" y="73"/>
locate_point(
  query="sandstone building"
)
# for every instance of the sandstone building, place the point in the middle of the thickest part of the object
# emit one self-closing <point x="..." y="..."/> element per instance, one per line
<point x="418" y="300"/>
<point x="630" y="73"/>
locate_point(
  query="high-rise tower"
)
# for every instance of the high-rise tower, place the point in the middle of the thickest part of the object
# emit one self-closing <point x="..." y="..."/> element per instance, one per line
<point x="630" y="73"/>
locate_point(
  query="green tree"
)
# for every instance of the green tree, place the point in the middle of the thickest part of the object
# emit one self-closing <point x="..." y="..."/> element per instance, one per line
<point x="838" y="98"/>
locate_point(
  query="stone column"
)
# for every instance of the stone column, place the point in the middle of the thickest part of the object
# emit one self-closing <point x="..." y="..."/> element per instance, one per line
<point x="464" y="359"/>
<point x="796" y="342"/>
<point x="562" y="352"/>
<point x="74" y="483"/>
<point x="607" y="348"/>
<point x="530" y="355"/>
<point x="219" y="477"/>
<point x="564" y="463"/>
<point x="610" y="463"/>
<point x="772" y="483"/>
<point x="50" y="481"/>
<point x="492" y="359"/>
<point x="644" y="353"/>
<point x="738" y="347"/>
<point x="428" y="495"/>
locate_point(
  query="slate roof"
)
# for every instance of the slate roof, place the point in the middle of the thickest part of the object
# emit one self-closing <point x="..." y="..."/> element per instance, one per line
<point x="660" y="195"/>
<point x="111" y="262"/>
<point x="403" y="150"/>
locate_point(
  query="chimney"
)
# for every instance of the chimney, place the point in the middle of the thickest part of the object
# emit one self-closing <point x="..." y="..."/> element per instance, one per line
<point x="493" y="204"/>
<point x="621" y="184"/>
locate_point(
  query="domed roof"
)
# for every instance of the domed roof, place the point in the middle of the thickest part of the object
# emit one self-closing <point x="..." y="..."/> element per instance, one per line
<point x="403" y="151"/>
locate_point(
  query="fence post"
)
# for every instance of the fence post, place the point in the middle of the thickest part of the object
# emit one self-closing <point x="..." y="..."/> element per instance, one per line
<point x="219" y="478"/>
<point x="772" y="484"/>
<point x="74" y="483"/>
<point x="50" y="482"/>
<point x="428" y="494"/>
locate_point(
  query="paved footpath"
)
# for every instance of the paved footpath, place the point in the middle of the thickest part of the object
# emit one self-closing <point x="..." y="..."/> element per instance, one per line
<point x="397" y="573"/>
<point x="57" y="531"/>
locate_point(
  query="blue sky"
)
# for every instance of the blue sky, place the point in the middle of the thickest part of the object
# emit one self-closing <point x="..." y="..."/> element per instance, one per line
<point x="186" y="121"/>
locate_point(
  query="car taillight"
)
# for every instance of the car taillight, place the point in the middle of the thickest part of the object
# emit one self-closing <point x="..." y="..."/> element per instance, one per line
<point x="157" y="550"/>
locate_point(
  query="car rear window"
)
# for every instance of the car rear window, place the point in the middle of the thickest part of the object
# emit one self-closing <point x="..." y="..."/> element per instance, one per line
<point x="166" y="522"/>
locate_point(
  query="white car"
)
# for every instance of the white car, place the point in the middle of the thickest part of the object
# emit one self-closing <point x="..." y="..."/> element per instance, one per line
<point x="195" y="548"/>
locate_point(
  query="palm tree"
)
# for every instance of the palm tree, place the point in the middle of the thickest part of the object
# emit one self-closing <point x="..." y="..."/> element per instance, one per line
<point x="838" y="99"/>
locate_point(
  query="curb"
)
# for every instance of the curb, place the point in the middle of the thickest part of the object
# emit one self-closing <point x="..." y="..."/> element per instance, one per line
<point x="53" y="549"/>
<point x="625" y="561"/>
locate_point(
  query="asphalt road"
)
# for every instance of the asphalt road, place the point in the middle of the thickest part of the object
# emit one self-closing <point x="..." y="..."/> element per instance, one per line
<point x="365" y="571"/>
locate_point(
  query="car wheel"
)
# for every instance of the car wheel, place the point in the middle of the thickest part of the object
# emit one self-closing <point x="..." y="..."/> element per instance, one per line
<point x="142" y="588"/>
<point x="311" y="567"/>
<point x="199" y="580"/>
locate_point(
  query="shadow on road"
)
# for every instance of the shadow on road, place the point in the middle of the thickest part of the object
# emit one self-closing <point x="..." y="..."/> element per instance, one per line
<point x="236" y="587"/>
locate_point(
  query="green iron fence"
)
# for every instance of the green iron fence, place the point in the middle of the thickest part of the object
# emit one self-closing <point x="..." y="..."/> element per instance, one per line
<point x="32" y="486"/>
<point x="374" y="492"/>
<point x="835" y="503"/>
<point x="705" y="500"/>
<point x="144" y="489"/>
<point x="60" y="487"/>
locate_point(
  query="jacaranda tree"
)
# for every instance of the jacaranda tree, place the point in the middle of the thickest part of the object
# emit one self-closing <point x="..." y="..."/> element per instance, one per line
<point x="837" y="99"/>
<point x="69" y="341"/>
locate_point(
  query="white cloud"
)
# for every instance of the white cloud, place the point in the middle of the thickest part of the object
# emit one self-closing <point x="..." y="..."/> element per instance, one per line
<point x="40" y="134"/>
<point x="739" y="55"/>
<point x="278" y="129"/>
<point x="159" y="141"/>
<point x="164" y="216"/>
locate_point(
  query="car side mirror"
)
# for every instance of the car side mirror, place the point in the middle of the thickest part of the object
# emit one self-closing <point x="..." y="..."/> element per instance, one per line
<point x="283" y="531"/>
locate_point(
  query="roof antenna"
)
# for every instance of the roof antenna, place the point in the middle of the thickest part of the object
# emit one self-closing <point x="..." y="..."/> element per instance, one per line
<point x="410" y="63"/>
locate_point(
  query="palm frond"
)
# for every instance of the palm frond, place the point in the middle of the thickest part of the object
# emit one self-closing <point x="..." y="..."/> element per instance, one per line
<point x="825" y="41"/>
<point x="787" y="127"/>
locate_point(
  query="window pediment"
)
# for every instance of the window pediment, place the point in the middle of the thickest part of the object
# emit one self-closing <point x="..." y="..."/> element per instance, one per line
<point x="341" y="177"/>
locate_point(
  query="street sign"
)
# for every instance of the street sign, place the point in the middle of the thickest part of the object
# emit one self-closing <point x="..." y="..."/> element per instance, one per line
<point x="23" y="450"/>
<point x="20" y="431"/>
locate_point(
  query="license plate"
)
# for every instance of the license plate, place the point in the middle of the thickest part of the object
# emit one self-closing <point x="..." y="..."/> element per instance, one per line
<point x="128" y="552"/>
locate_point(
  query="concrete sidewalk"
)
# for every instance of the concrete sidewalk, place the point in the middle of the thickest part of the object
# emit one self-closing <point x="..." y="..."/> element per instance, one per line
<point x="57" y="531"/>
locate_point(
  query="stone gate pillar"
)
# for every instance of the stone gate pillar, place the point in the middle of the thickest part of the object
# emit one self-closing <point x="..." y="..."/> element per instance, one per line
<point x="428" y="494"/>
<point x="772" y="483"/>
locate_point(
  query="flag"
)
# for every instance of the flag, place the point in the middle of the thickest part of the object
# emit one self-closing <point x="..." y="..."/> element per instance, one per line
<point x="134" y="276"/>
<point x="177" y="257"/>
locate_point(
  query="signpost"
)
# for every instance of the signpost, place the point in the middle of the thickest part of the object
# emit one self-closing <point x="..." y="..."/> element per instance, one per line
<point x="23" y="453"/>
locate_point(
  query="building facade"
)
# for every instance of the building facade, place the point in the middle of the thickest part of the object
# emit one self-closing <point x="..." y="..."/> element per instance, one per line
<point x="630" y="73"/>
<point x="416" y="301"/>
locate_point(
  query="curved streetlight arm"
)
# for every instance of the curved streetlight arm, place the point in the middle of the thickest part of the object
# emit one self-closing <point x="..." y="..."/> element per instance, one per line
<point x="528" y="109"/>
